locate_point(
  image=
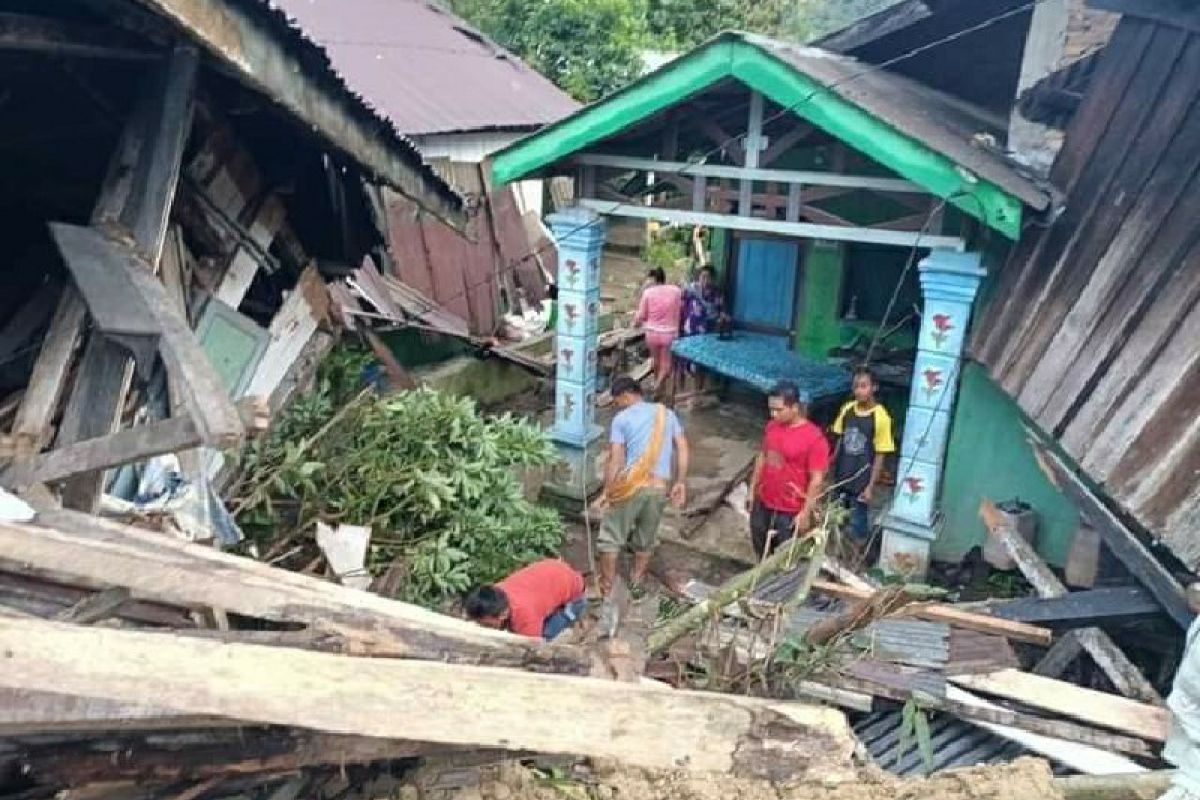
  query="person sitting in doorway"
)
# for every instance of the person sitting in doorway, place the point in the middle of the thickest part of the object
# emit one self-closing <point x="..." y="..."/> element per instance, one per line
<point x="539" y="600"/>
<point x="645" y="439"/>
<point x="658" y="315"/>
<point x="863" y="429"/>
<point x="789" y="473"/>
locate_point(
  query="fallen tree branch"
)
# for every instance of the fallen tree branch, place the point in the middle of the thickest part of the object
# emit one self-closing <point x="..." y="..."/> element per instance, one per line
<point x="731" y="591"/>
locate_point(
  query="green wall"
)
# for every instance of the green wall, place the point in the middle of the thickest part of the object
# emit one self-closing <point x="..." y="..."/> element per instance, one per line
<point x="820" y="328"/>
<point x="718" y="250"/>
<point x="989" y="456"/>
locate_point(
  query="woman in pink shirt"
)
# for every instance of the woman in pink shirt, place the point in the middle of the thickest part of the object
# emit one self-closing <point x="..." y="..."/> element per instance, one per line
<point x="659" y="315"/>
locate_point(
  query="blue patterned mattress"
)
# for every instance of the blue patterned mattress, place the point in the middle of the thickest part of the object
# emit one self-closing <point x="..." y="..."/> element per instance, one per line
<point x="762" y="361"/>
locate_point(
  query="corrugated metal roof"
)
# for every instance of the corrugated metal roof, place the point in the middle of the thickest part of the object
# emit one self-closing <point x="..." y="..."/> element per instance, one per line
<point x="267" y="51"/>
<point x="427" y="70"/>
<point x="943" y="123"/>
<point x="955" y="744"/>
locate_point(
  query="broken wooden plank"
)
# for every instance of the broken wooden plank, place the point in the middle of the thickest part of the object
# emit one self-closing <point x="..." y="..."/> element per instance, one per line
<point x="99" y="606"/>
<point x="1123" y="673"/>
<point x="939" y="612"/>
<point x="123" y="447"/>
<point x="1086" y="758"/>
<point x="251" y="752"/>
<point x="1051" y="737"/>
<point x="1081" y="609"/>
<point x="161" y="569"/>
<point x="32" y="425"/>
<point x="1123" y="543"/>
<point x="113" y="305"/>
<point x="1098" y="708"/>
<point x="433" y="702"/>
<point x="1060" y="655"/>
<point x="211" y="410"/>
<point x="26" y="711"/>
<point x="135" y="200"/>
<point x="1131" y="786"/>
<point x="246" y="262"/>
<point x="293" y="325"/>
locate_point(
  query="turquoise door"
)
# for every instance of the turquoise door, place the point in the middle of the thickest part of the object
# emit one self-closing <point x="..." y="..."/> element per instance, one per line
<point x="765" y="281"/>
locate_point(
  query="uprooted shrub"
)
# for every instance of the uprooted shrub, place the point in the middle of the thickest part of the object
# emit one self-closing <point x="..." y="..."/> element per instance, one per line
<point x="439" y="484"/>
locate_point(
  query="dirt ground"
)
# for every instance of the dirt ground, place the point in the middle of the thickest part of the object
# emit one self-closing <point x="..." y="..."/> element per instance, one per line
<point x="1024" y="779"/>
<point x="723" y="438"/>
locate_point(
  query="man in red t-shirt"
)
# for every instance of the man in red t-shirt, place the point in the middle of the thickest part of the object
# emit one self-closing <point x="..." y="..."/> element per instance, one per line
<point x="540" y="600"/>
<point x="789" y="472"/>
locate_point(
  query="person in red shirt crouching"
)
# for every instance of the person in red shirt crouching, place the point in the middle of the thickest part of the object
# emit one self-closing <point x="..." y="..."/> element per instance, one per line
<point x="789" y="473"/>
<point x="541" y="600"/>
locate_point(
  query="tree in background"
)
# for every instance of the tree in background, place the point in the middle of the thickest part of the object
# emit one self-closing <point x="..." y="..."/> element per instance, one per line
<point x="589" y="48"/>
<point x="677" y="25"/>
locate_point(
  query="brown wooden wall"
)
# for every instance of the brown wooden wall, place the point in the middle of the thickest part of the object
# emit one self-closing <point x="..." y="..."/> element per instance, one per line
<point x="464" y="274"/>
<point x="1095" y="328"/>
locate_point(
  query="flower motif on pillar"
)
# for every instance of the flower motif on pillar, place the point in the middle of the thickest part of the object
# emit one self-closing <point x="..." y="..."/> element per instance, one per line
<point x="579" y="234"/>
<point x="949" y="281"/>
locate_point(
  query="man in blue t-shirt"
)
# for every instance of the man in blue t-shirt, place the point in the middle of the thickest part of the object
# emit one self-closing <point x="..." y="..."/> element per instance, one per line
<point x="645" y="439"/>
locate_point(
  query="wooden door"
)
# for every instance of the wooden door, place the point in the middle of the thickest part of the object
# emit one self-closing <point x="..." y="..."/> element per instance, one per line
<point x="766" y="280"/>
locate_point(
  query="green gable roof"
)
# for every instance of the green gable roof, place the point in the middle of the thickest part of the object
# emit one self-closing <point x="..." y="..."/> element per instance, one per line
<point x="922" y="135"/>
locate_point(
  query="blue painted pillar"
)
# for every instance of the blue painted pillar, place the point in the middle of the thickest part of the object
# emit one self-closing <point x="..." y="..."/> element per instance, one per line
<point x="949" y="281"/>
<point x="579" y="234"/>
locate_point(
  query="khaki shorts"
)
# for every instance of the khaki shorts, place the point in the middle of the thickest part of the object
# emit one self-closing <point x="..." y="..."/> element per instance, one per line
<point x="633" y="524"/>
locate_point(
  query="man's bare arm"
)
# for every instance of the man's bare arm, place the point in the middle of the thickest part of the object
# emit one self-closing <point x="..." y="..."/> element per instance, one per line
<point x="682" y="458"/>
<point x="616" y="460"/>
<point x="816" y="485"/>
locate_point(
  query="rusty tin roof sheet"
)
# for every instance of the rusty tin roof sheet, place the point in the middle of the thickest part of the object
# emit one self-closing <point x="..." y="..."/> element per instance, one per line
<point x="427" y="70"/>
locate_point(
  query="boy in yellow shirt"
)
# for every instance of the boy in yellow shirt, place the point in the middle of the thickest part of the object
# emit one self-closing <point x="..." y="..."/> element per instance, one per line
<point x="863" y="430"/>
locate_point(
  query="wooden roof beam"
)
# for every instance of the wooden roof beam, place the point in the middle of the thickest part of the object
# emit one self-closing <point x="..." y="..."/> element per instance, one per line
<point x="53" y="37"/>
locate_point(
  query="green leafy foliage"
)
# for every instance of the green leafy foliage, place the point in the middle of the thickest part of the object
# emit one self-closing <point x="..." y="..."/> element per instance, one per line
<point x="914" y="724"/>
<point x="589" y="48"/>
<point x="667" y="248"/>
<point x="438" y="483"/>
<point x="678" y="25"/>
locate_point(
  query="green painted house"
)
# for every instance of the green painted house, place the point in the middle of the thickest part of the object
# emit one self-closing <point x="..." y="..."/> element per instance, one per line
<point x="847" y="203"/>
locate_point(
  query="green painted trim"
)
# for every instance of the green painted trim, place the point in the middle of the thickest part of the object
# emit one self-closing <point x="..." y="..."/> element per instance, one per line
<point x="730" y="56"/>
<point x="856" y="127"/>
<point x="643" y="98"/>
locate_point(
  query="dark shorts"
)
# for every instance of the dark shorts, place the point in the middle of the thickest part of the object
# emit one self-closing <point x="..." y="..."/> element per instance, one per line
<point x="765" y="524"/>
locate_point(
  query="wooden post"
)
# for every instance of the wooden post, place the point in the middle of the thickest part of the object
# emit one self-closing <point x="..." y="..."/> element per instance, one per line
<point x="1123" y="543"/>
<point x="1116" y="665"/>
<point x="136" y="198"/>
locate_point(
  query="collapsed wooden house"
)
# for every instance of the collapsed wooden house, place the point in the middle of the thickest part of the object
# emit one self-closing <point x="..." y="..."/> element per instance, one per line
<point x="152" y="666"/>
<point x="181" y="179"/>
